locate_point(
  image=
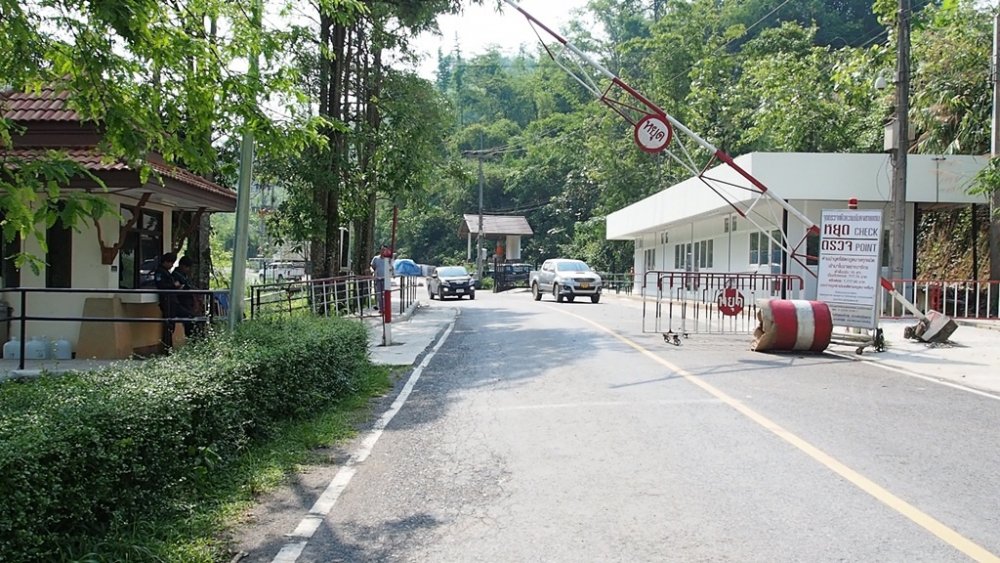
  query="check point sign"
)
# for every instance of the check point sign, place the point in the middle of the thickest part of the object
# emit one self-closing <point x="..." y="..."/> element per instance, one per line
<point x="653" y="133"/>
<point x="849" y="265"/>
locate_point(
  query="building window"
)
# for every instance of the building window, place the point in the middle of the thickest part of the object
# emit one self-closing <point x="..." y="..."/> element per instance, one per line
<point x="59" y="256"/>
<point x="776" y="251"/>
<point x="812" y="249"/>
<point x="649" y="259"/>
<point x="764" y="250"/>
<point x="711" y="250"/>
<point x="141" y="247"/>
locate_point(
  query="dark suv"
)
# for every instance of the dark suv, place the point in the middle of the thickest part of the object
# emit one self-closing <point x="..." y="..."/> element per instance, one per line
<point x="451" y="281"/>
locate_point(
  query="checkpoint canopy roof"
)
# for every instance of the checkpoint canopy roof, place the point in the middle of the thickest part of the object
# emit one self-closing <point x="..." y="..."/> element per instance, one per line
<point x="495" y="225"/>
<point x="801" y="178"/>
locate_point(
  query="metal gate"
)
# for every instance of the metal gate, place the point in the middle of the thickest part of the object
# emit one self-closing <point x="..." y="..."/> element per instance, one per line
<point x="679" y="304"/>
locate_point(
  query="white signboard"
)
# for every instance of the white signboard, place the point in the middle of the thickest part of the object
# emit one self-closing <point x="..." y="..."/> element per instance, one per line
<point x="849" y="260"/>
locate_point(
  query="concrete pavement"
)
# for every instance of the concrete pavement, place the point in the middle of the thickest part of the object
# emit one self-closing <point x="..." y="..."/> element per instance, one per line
<point x="410" y="335"/>
<point x="970" y="359"/>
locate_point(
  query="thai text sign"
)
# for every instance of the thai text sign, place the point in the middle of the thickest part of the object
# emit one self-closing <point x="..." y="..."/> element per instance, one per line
<point x="849" y="256"/>
<point x="653" y="133"/>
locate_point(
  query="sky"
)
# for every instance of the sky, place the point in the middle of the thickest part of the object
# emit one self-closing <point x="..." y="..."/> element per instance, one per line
<point x="479" y="27"/>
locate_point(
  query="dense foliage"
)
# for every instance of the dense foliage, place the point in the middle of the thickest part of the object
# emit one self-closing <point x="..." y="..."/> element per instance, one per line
<point x="80" y="454"/>
<point x="747" y="76"/>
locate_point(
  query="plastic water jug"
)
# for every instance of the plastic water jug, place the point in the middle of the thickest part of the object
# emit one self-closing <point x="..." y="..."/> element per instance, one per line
<point x="62" y="349"/>
<point x="34" y="349"/>
<point x="46" y="346"/>
<point x="12" y="349"/>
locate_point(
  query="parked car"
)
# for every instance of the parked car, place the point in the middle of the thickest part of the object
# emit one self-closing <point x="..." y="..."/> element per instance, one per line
<point x="565" y="279"/>
<point x="278" y="272"/>
<point x="448" y="281"/>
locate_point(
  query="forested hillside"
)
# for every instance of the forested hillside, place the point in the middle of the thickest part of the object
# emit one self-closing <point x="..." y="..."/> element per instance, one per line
<point x="746" y="75"/>
<point x="749" y="75"/>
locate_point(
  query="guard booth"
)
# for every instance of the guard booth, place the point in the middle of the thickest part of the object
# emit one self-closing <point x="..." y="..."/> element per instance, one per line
<point x="501" y="245"/>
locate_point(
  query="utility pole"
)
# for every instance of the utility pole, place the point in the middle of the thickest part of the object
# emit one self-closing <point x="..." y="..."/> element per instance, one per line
<point x="899" y="153"/>
<point x="237" y="288"/>
<point x="479" y="234"/>
<point x="995" y="152"/>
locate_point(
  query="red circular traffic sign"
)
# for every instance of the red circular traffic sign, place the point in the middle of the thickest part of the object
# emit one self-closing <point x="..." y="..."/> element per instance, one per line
<point x="730" y="302"/>
<point x="653" y="133"/>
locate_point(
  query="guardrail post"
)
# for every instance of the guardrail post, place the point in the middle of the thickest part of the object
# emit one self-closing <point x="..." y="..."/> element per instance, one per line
<point x="24" y="324"/>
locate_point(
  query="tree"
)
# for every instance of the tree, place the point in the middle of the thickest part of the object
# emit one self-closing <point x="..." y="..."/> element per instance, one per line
<point x="156" y="77"/>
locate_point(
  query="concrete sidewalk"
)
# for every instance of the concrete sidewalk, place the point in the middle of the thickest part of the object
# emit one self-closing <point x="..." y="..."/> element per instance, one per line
<point x="971" y="358"/>
<point x="411" y="334"/>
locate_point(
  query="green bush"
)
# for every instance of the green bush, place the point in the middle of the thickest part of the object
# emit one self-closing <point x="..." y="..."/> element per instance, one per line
<point x="82" y="453"/>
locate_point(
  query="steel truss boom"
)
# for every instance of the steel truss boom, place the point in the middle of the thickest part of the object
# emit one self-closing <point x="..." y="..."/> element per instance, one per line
<point x="629" y="103"/>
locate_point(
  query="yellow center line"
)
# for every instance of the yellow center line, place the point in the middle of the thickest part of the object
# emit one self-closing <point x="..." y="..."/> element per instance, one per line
<point x="914" y="514"/>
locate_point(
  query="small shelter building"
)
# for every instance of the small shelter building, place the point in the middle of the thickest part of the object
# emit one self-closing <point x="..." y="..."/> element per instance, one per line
<point x="504" y="230"/>
<point x="156" y="214"/>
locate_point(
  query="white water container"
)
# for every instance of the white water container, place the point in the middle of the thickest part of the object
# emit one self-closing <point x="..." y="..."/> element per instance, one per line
<point x="12" y="349"/>
<point x="34" y="349"/>
<point x="62" y="349"/>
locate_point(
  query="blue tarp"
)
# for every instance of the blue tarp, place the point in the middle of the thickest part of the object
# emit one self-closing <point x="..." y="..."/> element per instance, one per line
<point x="406" y="267"/>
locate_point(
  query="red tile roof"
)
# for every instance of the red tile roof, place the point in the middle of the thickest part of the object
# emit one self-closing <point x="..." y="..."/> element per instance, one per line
<point x="88" y="158"/>
<point x="191" y="179"/>
<point x="50" y="105"/>
<point x="92" y="160"/>
<point x="47" y="105"/>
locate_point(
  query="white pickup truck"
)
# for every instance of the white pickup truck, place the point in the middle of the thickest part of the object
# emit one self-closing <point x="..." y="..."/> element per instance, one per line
<point x="280" y="272"/>
<point x="565" y="280"/>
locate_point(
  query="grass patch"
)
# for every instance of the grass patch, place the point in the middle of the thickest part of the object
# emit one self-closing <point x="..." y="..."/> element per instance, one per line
<point x="194" y="530"/>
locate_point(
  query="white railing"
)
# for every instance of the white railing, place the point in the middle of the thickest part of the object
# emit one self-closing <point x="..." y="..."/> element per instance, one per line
<point x="963" y="299"/>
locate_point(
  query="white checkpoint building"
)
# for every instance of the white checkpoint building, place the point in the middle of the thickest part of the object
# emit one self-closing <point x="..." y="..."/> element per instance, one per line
<point x="689" y="227"/>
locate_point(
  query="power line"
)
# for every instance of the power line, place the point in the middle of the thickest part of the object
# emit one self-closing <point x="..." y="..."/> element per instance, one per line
<point x="730" y="42"/>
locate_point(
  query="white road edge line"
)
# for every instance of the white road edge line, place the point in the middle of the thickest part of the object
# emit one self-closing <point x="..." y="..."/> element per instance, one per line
<point x="324" y="504"/>
<point x="904" y="371"/>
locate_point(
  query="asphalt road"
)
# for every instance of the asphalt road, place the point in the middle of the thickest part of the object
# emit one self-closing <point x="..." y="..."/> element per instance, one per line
<point x="545" y="432"/>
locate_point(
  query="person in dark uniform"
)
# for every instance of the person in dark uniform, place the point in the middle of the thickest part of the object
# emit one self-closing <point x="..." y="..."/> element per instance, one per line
<point x="168" y="301"/>
<point x="186" y="302"/>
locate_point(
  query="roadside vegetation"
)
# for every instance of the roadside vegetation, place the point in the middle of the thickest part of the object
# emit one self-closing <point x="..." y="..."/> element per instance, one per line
<point x="148" y="461"/>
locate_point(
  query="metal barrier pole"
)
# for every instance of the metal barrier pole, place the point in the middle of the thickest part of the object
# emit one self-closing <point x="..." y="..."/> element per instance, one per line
<point x="24" y="324"/>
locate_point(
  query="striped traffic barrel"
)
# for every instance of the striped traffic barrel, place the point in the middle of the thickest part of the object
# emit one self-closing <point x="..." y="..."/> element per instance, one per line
<point x="792" y="324"/>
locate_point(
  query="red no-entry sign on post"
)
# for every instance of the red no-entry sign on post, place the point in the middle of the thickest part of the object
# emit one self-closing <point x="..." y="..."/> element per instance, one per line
<point x="730" y="302"/>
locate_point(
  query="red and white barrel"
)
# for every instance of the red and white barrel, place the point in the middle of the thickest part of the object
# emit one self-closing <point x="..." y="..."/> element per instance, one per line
<point x="792" y="324"/>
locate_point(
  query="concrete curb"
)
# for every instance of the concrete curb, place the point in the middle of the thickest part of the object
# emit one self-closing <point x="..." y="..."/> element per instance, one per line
<point x="986" y="325"/>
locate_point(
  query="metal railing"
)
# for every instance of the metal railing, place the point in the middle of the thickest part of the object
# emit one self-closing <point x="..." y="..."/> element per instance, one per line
<point x="702" y="302"/>
<point x="211" y="305"/>
<point x="619" y="283"/>
<point x="407" y="292"/>
<point x="963" y="299"/>
<point x="337" y="296"/>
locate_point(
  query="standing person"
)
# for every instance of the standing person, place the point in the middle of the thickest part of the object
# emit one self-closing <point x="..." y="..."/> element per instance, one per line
<point x="186" y="302"/>
<point x="380" y="269"/>
<point x="168" y="301"/>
